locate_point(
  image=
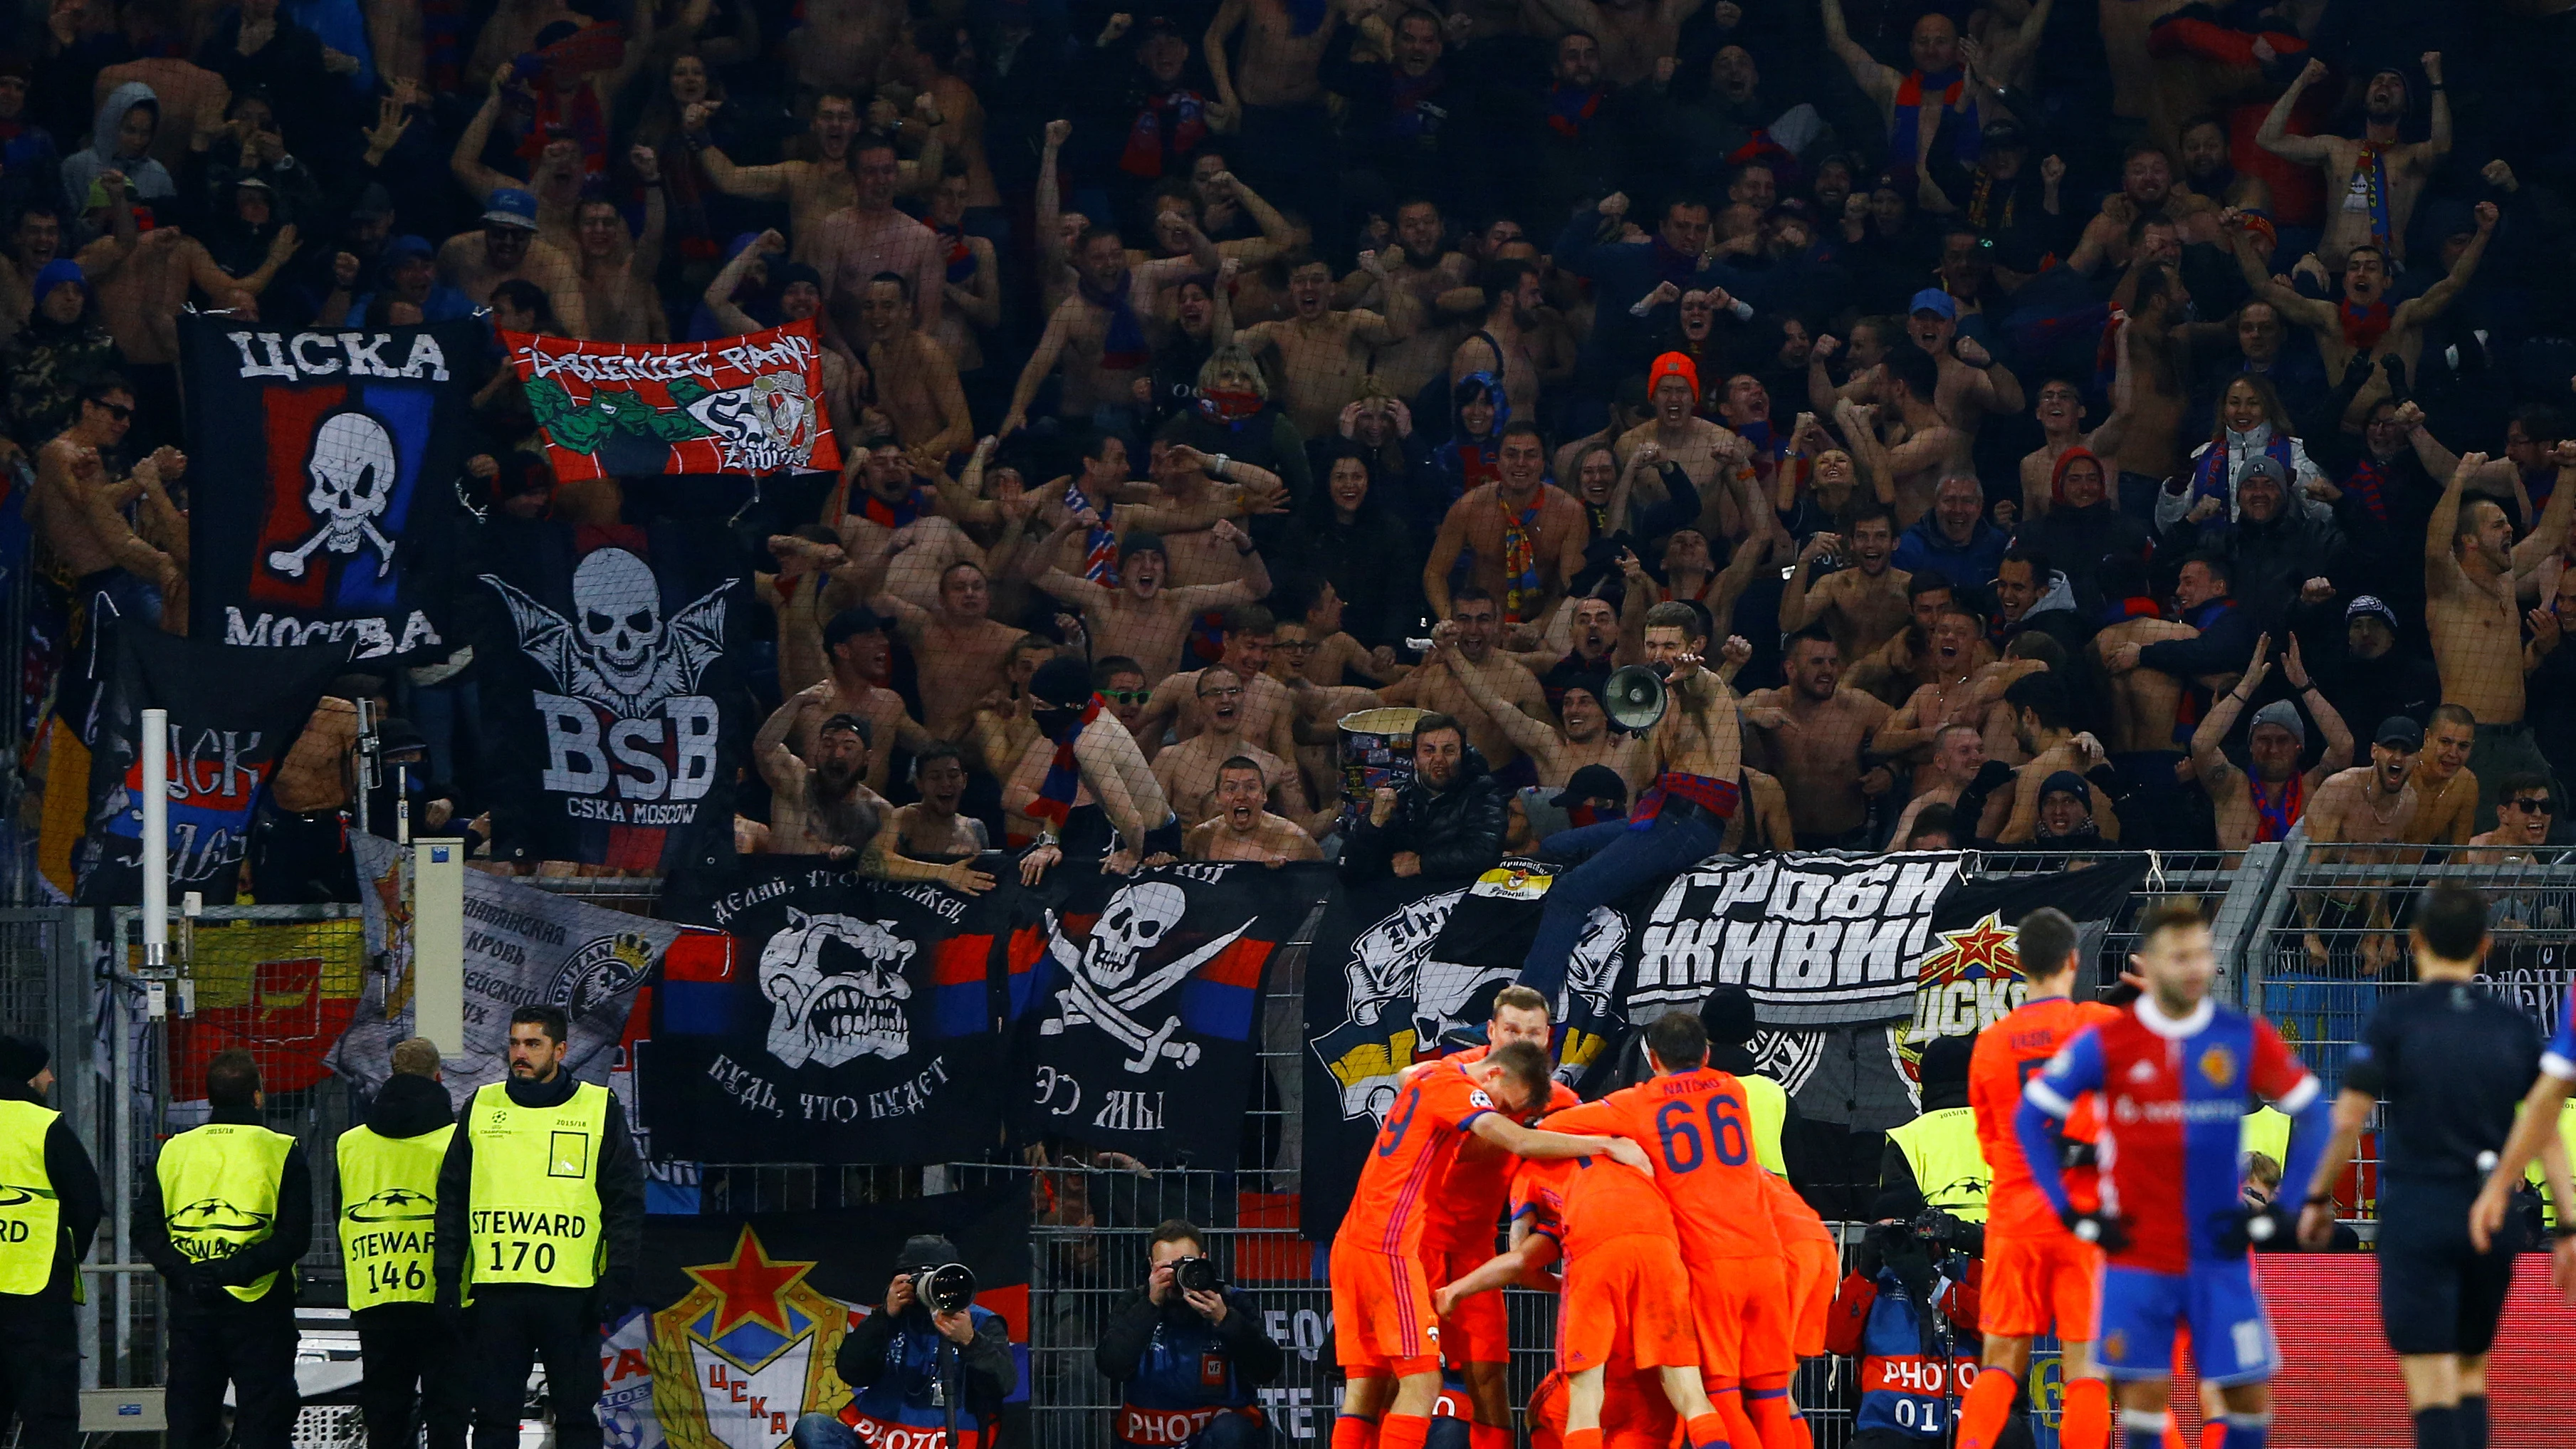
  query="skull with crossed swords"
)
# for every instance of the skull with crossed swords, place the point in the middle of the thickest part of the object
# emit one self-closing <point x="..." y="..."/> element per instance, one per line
<point x="1105" y="986"/>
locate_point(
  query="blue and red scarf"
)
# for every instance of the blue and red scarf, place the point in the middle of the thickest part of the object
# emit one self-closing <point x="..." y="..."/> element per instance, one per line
<point x="1717" y="797"/>
<point x="1099" y="542"/>
<point x="1570" y="111"/>
<point x="2273" y="818"/>
<point x="898" y="514"/>
<point x="1905" y="128"/>
<point x="1169" y="125"/>
<point x="1063" y="778"/>
<point x="1124" y="349"/>
<point x="2364" y="326"/>
<point x="2370" y="172"/>
<point x="2212" y="477"/>
<point x="2369" y="486"/>
<point x="954" y="251"/>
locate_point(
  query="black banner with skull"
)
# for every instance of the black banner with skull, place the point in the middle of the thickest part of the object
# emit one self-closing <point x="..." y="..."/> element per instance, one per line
<point x="1138" y="998"/>
<point x="322" y="482"/>
<point x="852" y="1021"/>
<point x="613" y="718"/>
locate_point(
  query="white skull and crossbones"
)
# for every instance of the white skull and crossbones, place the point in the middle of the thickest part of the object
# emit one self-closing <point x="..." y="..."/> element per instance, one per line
<point x="352" y="472"/>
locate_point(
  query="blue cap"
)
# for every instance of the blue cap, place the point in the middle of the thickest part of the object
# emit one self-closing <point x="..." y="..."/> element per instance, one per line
<point x="57" y="272"/>
<point x="1930" y="299"/>
<point x="509" y="206"/>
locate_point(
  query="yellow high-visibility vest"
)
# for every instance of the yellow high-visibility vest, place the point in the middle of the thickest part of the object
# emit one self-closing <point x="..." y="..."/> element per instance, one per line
<point x="1767" y="1103"/>
<point x="388" y="1214"/>
<point x="533" y="1213"/>
<point x="31" y="1217"/>
<point x="1941" y="1148"/>
<point x="219" y="1188"/>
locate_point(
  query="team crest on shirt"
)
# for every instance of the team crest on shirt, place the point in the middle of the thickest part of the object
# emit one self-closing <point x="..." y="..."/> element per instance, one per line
<point x="2115" y="1344"/>
<point x="2218" y="1065"/>
<point x="1479" y="1099"/>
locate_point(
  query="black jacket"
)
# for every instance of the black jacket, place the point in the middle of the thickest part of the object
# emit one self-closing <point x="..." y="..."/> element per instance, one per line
<point x="1458" y="832"/>
<point x="2077" y="540"/>
<point x="194" y="1287"/>
<point x="76" y="1195"/>
<point x="1130" y="1329"/>
<point x="409" y="1106"/>
<point x="986" y="1372"/>
<point x="2226" y="641"/>
<point x="2269" y="561"/>
<point x="621" y="1196"/>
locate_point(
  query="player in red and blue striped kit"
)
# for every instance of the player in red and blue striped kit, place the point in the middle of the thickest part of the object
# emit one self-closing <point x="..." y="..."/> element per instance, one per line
<point x="2174" y="1072"/>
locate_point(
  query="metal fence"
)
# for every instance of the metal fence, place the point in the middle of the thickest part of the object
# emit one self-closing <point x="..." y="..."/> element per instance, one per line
<point x="2311" y="935"/>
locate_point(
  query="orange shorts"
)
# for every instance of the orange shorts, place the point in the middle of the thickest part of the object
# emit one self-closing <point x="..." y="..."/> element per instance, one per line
<point x="1742" y="1307"/>
<point x="1382" y="1319"/>
<point x="1627" y="1297"/>
<point x="2040" y="1282"/>
<point x="1634" y="1412"/>
<point x="1815" y="1270"/>
<point x="1475" y="1330"/>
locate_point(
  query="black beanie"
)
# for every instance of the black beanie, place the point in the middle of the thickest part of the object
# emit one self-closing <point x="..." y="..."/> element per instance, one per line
<point x="21" y="1058"/>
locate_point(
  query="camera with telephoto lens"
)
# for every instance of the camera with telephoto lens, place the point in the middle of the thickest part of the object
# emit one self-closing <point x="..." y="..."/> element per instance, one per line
<point x="947" y="1288"/>
<point x="1197" y="1275"/>
<point x="1948" y="1232"/>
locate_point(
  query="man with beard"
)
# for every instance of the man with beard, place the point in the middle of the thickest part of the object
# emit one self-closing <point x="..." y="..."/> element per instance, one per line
<point x="1241" y="827"/>
<point x="860" y="654"/>
<point x="1624" y="272"/>
<point x="1916" y="103"/>
<point x="869" y="236"/>
<point x="1446" y="824"/>
<point x="1956" y="694"/>
<point x="2044" y="728"/>
<point x="1399" y="116"/>
<point x="2208" y="172"/>
<point x="1581" y="736"/>
<point x="1971" y="382"/>
<point x="1525" y="537"/>
<point x="930" y="828"/>
<point x="2012" y="209"/>
<point x="1474" y="625"/>
<point x="2446" y="790"/>
<point x="1188" y="771"/>
<point x="1708" y="455"/>
<point x="912" y="379"/>
<point x="2274" y="549"/>
<point x="2146" y="194"/>
<point x="2374" y="181"/>
<point x="1098" y="333"/>
<point x="2370" y="677"/>
<point x="1905" y="470"/>
<point x="2364" y="327"/>
<point x="1861" y="607"/>
<point x="826" y="808"/>
<point x="968" y="644"/>
<point x="1139" y="617"/>
<point x="2083" y="530"/>
<point x="1263" y="714"/>
<point x="505" y="247"/>
<point x="1085" y="782"/>
<point x="2264" y="801"/>
<point x="2472" y="606"/>
<point x="814" y="189"/>
<point x="1812" y="735"/>
<point x="2368" y="805"/>
<point x="1503" y="345"/>
<point x="1323" y="354"/>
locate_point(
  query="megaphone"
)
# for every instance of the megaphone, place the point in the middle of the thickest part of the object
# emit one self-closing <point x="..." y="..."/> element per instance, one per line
<point x="1634" y="698"/>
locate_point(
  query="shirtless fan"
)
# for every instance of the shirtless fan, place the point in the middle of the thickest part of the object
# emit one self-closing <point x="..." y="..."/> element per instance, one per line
<point x="1634" y="698"/>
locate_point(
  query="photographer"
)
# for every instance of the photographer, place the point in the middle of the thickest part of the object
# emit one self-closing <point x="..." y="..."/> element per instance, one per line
<point x="1914" y="1366"/>
<point x="1189" y="1352"/>
<point x="895" y="1359"/>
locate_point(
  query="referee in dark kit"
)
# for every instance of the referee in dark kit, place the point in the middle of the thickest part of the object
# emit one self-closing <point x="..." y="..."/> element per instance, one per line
<point x="2452" y="1062"/>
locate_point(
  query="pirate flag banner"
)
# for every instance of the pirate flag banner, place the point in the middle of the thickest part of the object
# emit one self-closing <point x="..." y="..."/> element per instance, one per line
<point x="746" y="1313"/>
<point x="234" y="714"/>
<point x="522" y="947"/>
<point x="612" y="718"/>
<point x="747" y="404"/>
<point x="851" y="1021"/>
<point x="1137" y="997"/>
<point x="322" y="472"/>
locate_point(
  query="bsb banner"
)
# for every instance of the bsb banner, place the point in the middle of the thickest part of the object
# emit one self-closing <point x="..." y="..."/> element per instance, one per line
<point x="322" y="472"/>
<point x="523" y="947"/>
<point x="234" y="714"/>
<point x="852" y="1021"/>
<point x="748" y="404"/>
<point x="1138" y="997"/>
<point x="613" y="720"/>
<point x="747" y="1313"/>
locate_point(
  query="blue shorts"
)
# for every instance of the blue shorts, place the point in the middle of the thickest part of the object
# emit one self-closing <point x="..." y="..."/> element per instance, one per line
<point x="2231" y="1339"/>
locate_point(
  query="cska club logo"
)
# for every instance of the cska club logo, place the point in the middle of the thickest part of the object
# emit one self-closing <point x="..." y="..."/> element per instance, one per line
<point x="747" y="1351"/>
<point x="1968" y="980"/>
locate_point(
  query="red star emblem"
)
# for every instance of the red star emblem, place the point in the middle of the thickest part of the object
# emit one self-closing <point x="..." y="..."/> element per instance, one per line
<point x="1986" y="944"/>
<point x="749" y="1288"/>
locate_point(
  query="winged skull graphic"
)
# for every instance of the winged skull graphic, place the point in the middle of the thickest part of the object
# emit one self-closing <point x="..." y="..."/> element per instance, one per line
<point x="619" y="650"/>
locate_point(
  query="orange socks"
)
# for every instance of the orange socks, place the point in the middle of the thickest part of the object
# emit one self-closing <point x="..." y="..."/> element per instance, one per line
<point x="1708" y="1431"/>
<point x="1407" y="1431"/>
<point x="2084" y="1415"/>
<point x="1987" y="1406"/>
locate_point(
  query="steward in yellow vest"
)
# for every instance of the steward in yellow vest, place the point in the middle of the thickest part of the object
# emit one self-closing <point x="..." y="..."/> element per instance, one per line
<point x="414" y="1356"/>
<point x="540" y="1220"/>
<point x="1934" y="1160"/>
<point x="1728" y="1014"/>
<point x="225" y="1214"/>
<point x="50" y="1206"/>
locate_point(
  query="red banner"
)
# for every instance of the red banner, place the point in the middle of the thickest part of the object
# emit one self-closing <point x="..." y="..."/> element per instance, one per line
<point x="748" y="404"/>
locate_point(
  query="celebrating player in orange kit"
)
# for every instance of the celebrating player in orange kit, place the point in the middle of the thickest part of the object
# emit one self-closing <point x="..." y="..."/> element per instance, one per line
<point x="1693" y="1122"/>
<point x="1459" y="1237"/>
<point x="1386" y="1333"/>
<point x="2038" y="1275"/>
<point x="1624" y="1299"/>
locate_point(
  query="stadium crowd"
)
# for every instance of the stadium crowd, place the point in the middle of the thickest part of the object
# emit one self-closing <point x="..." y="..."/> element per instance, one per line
<point x="2077" y="429"/>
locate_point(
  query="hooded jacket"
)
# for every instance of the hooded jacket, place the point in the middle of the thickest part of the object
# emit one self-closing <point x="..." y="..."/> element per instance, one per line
<point x="408" y="1107"/>
<point x="2054" y="614"/>
<point x="1458" y="832"/>
<point x="150" y="178"/>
